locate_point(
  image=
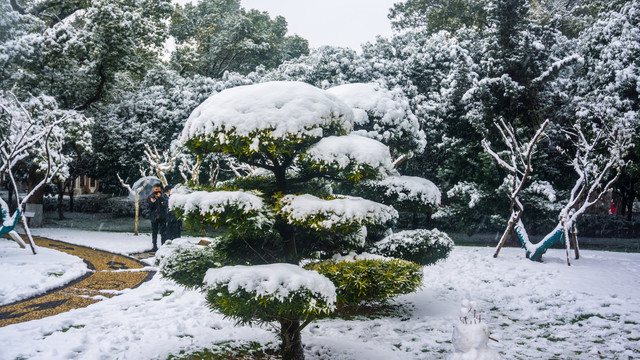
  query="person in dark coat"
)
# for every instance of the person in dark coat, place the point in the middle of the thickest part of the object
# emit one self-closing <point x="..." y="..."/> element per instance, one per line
<point x="174" y="225"/>
<point x="158" y="208"/>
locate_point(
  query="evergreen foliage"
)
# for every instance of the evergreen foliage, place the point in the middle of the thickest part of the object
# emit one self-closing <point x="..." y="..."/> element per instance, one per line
<point x="367" y="280"/>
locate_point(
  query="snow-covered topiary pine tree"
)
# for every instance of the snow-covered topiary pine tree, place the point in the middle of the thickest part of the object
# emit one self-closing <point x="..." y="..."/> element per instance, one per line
<point x="301" y="136"/>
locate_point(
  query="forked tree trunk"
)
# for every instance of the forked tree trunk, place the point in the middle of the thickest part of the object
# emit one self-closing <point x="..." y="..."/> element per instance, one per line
<point x="291" y="347"/>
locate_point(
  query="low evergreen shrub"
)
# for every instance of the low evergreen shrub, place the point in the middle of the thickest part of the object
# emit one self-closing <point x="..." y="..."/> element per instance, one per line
<point x="424" y="247"/>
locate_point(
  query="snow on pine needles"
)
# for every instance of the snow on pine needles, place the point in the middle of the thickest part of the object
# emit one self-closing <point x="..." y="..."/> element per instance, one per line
<point x="535" y="310"/>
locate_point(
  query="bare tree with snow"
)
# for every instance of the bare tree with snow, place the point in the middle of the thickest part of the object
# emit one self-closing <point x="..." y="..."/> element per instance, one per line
<point x="27" y="138"/>
<point x="517" y="162"/>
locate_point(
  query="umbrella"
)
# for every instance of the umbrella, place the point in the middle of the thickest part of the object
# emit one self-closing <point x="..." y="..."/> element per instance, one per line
<point x="145" y="186"/>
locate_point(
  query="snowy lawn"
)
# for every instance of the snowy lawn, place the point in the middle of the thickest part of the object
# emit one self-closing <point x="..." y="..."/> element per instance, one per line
<point x="536" y="311"/>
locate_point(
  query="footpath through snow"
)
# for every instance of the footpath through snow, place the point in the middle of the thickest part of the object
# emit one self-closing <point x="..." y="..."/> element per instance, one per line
<point x="536" y="311"/>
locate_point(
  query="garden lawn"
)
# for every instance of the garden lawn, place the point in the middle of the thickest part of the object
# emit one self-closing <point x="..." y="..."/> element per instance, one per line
<point x="536" y="310"/>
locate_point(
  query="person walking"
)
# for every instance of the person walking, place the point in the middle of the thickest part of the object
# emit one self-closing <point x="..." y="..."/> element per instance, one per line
<point x="158" y="208"/>
<point x="174" y="225"/>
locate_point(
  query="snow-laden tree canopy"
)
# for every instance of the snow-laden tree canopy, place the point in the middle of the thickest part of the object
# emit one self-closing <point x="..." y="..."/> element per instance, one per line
<point x="298" y="206"/>
<point x="281" y="109"/>
<point x="383" y="115"/>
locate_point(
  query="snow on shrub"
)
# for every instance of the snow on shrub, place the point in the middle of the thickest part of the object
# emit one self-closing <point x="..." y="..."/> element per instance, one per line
<point x="421" y="246"/>
<point x="356" y="155"/>
<point x="367" y="277"/>
<point x="201" y="206"/>
<point x="408" y="191"/>
<point x="344" y="213"/>
<point x="186" y="262"/>
<point x="269" y="292"/>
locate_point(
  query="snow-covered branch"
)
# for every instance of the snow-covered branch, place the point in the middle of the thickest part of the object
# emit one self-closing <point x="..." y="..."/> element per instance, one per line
<point x="160" y="164"/>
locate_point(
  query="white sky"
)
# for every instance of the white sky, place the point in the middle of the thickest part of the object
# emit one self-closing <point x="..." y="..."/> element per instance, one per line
<point x="347" y="23"/>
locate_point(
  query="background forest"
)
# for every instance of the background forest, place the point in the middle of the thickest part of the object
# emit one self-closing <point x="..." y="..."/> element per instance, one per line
<point x="129" y="72"/>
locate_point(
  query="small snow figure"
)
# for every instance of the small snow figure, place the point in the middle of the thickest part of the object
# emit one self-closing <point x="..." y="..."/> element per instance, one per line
<point x="470" y="336"/>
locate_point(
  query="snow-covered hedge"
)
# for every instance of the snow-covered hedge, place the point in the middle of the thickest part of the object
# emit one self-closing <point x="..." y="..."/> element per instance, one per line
<point x="345" y="214"/>
<point x="361" y="278"/>
<point x="269" y="292"/>
<point x="186" y="262"/>
<point x="421" y="246"/>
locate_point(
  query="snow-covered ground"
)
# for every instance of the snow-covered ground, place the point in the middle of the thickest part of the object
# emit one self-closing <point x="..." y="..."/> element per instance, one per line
<point x="536" y="310"/>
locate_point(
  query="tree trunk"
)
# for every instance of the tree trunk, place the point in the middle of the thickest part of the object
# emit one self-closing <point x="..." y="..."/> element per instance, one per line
<point x="632" y="198"/>
<point x="291" y="347"/>
<point x="70" y="187"/>
<point x="60" y="186"/>
<point x="37" y="199"/>
<point x="137" y="207"/>
<point x="513" y="220"/>
<point x="574" y="241"/>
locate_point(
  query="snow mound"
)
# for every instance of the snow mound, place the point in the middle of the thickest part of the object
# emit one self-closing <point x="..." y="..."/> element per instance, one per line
<point x="280" y="107"/>
<point x="272" y="280"/>
<point x="216" y="202"/>
<point x="341" y="151"/>
<point x="337" y="212"/>
<point x="410" y="188"/>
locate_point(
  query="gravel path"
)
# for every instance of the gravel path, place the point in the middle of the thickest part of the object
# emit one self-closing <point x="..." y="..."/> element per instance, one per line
<point x="109" y="275"/>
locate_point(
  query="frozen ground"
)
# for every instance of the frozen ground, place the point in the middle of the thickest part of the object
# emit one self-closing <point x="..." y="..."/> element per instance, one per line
<point x="536" y="310"/>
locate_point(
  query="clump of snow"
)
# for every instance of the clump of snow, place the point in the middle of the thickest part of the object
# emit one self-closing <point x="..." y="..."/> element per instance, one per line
<point x="467" y="190"/>
<point x="352" y="256"/>
<point x="335" y="212"/>
<point x="206" y="202"/>
<point x="342" y="151"/>
<point x="407" y="238"/>
<point x="410" y="188"/>
<point x="273" y="280"/>
<point x="282" y="108"/>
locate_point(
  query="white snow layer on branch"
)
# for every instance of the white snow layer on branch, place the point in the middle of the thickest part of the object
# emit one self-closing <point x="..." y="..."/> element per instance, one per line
<point x="216" y="202"/>
<point x="273" y="280"/>
<point x="336" y="212"/>
<point x="411" y="188"/>
<point x="285" y="108"/>
<point x="341" y="151"/>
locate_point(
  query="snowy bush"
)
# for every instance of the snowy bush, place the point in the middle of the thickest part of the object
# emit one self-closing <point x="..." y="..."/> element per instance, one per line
<point x="369" y="278"/>
<point x="421" y="246"/>
<point x="266" y="293"/>
<point x="187" y="265"/>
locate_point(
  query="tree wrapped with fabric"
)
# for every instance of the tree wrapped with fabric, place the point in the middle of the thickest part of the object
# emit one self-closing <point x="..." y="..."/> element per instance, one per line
<point x="300" y="137"/>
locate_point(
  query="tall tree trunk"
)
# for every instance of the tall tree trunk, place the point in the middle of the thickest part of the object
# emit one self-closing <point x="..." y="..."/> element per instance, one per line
<point x="71" y="186"/>
<point x="291" y="347"/>
<point x="60" y="186"/>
